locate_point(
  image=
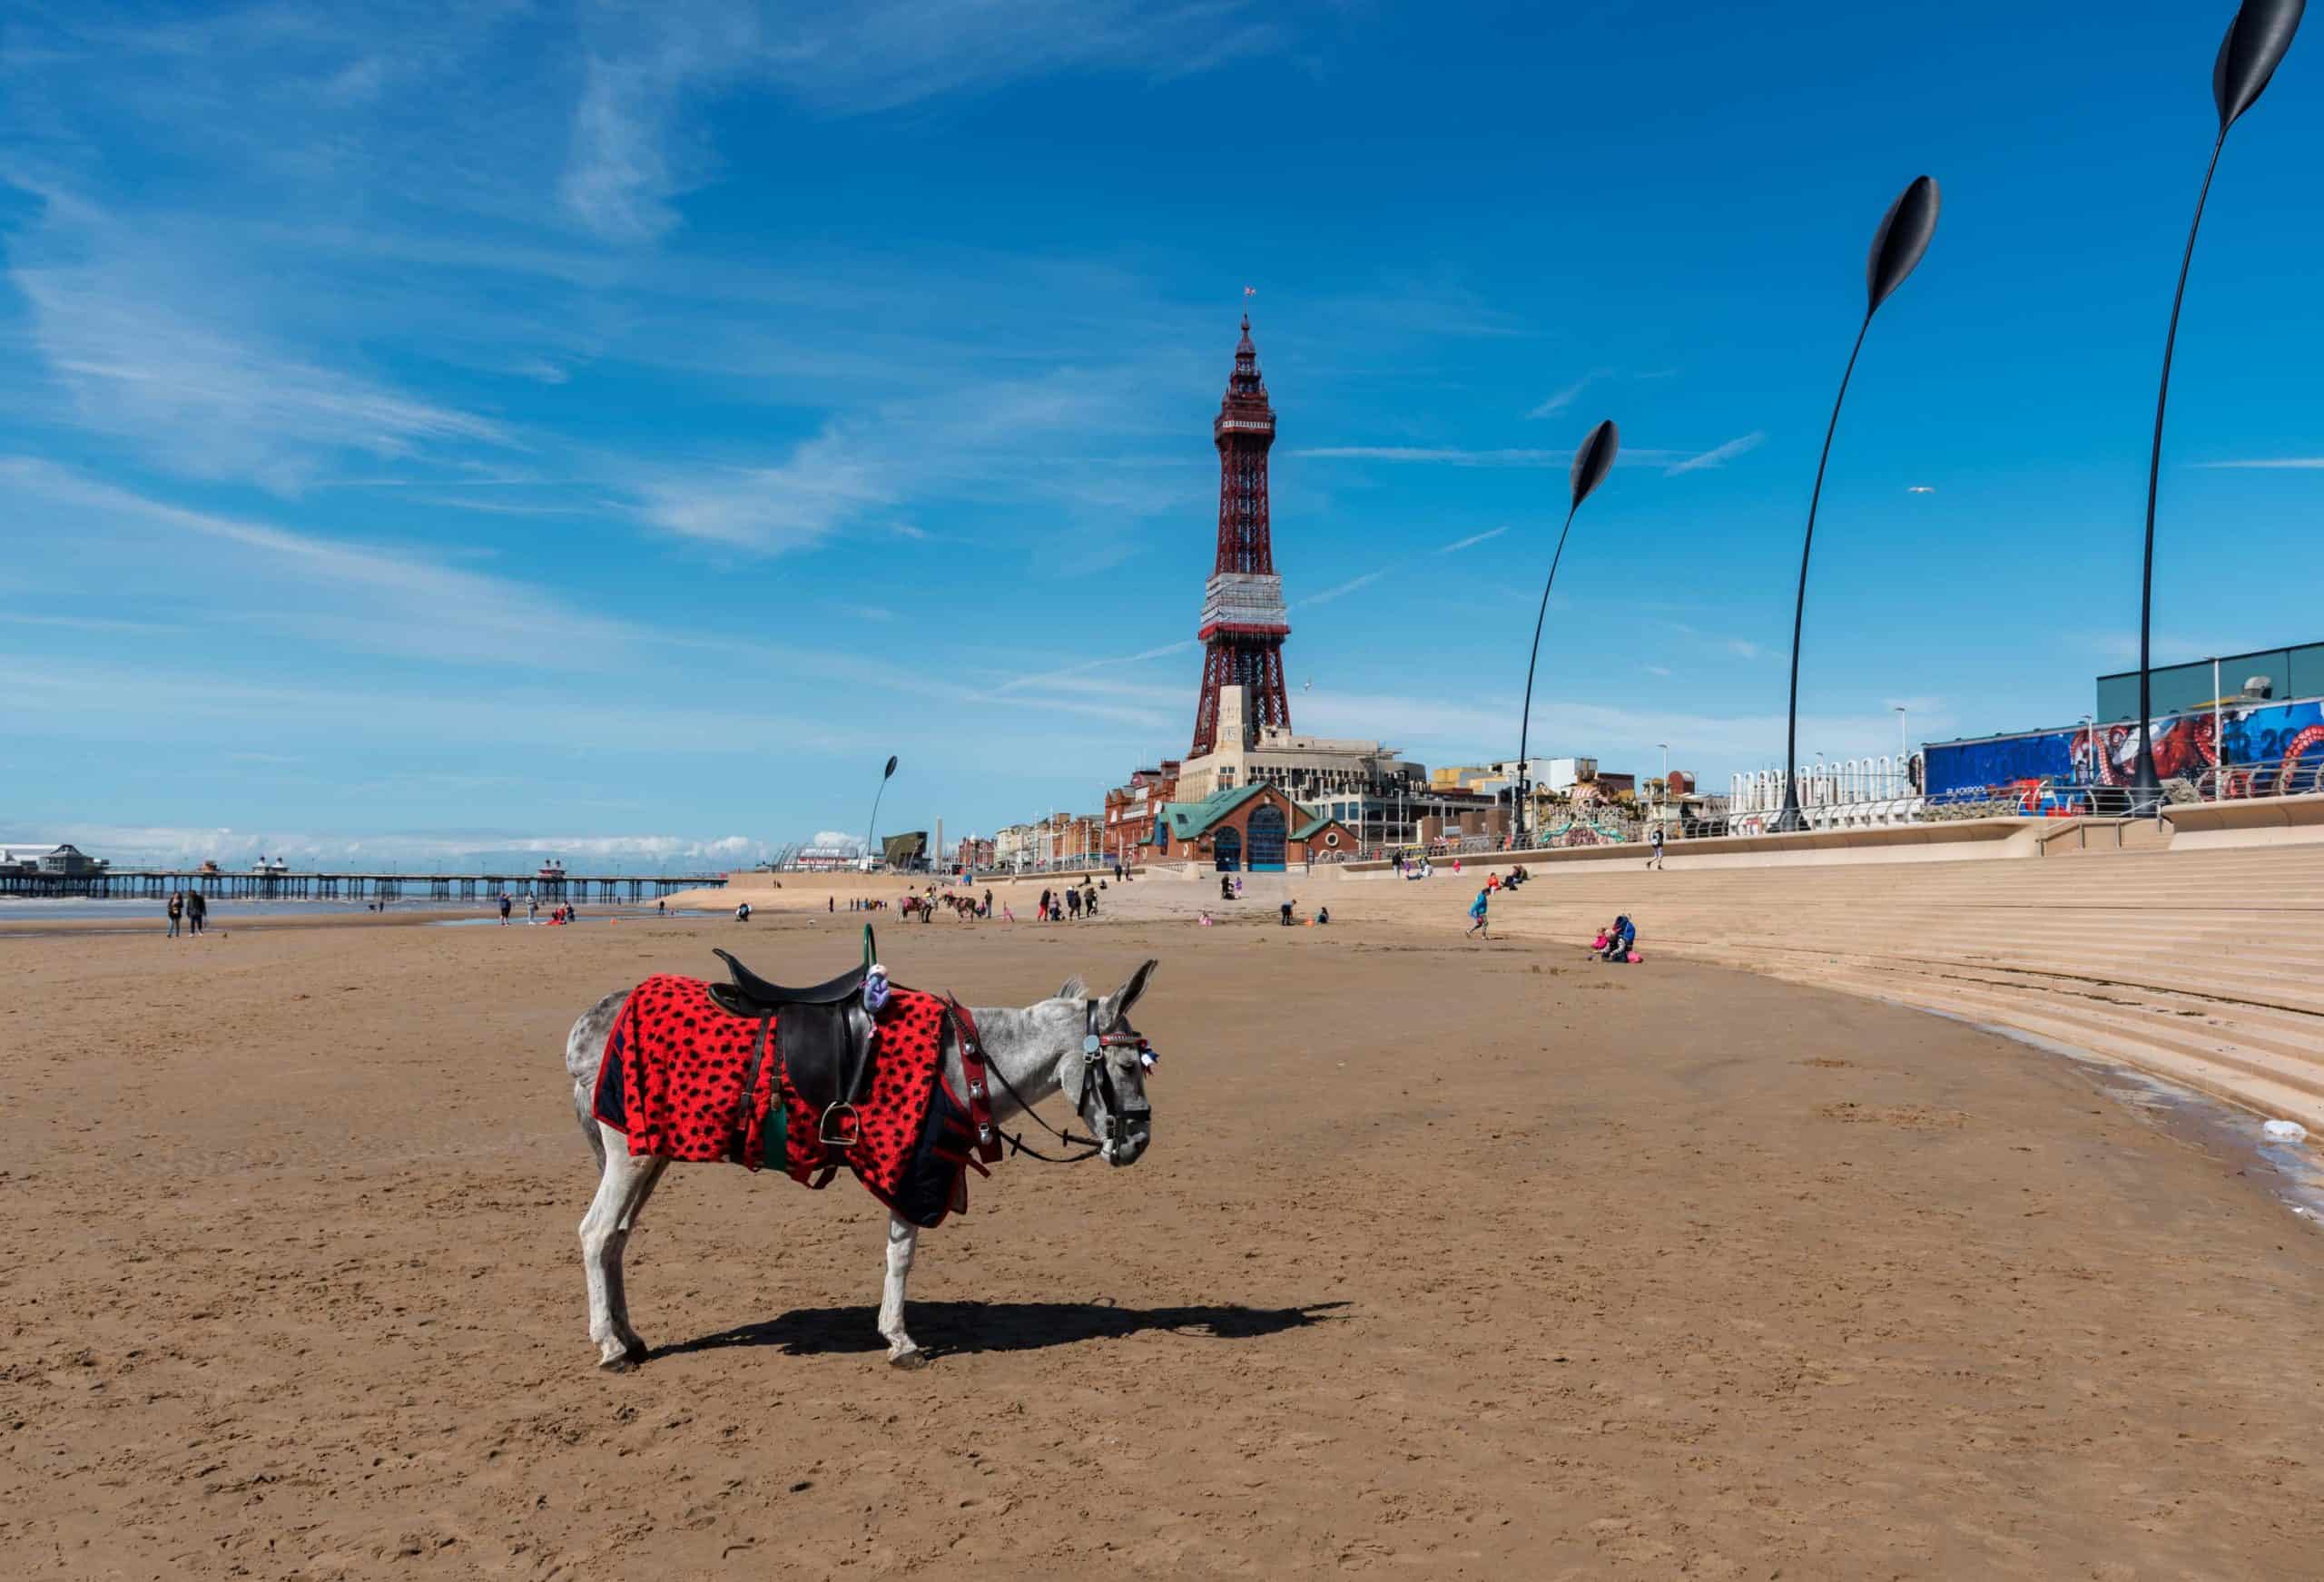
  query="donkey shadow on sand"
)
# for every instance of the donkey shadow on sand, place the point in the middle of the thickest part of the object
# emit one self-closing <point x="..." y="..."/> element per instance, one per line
<point x="967" y="1327"/>
<point x="731" y="1039"/>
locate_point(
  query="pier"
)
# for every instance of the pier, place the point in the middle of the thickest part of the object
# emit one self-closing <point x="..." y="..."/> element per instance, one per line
<point x="157" y="883"/>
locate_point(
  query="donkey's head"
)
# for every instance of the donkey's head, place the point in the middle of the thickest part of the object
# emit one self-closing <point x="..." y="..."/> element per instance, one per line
<point x="1104" y="1075"/>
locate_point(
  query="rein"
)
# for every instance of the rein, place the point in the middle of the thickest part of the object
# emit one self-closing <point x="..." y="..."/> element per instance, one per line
<point x="1093" y="1043"/>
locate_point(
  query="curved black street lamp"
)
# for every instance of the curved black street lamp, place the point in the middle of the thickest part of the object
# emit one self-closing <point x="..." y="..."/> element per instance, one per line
<point x="2248" y="56"/>
<point x="1592" y="463"/>
<point x="885" y="775"/>
<point x="1896" y="247"/>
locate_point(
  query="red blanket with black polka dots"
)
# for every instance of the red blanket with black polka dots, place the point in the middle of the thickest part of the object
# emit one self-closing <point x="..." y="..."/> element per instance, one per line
<point x="672" y="1078"/>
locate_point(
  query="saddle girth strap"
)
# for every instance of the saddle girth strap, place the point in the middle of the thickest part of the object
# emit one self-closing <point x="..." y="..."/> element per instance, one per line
<point x="747" y="1100"/>
<point x="972" y="1068"/>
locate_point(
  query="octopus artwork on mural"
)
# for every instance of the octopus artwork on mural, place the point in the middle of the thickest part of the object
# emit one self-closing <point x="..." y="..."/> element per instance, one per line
<point x="2271" y="750"/>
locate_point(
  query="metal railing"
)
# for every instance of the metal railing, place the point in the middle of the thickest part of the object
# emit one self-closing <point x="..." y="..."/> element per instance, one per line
<point x="2236" y="781"/>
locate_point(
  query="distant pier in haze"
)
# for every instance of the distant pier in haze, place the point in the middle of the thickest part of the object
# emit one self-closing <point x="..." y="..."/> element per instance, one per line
<point x="283" y="884"/>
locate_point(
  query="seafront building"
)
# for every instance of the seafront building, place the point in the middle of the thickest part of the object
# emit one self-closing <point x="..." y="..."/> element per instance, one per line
<point x="61" y="859"/>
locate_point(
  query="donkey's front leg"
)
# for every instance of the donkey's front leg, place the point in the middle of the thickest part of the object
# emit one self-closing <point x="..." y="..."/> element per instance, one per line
<point x="903" y="1240"/>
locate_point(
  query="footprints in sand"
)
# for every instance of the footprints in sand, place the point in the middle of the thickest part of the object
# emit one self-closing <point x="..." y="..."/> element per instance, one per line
<point x="1914" y="1118"/>
<point x="1911" y="1118"/>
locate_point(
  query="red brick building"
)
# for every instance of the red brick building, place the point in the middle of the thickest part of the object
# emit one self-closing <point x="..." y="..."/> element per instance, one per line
<point x="1131" y="809"/>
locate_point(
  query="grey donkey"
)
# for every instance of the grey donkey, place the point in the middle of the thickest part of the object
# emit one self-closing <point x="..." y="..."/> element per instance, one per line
<point x="1034" y="1052"/>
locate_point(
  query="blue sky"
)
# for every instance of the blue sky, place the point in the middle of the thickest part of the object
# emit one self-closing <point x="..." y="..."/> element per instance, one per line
<point x="434" y="428"/>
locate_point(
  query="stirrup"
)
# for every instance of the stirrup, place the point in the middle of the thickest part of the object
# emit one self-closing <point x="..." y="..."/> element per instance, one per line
<point x="827" y="1133"/>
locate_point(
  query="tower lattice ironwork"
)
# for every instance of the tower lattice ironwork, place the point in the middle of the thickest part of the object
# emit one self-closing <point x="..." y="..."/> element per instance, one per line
<point x="1244" y="621"/>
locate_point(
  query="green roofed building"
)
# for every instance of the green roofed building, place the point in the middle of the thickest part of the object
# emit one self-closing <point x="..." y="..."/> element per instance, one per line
<point x="905" y="852"/>
<point x="1255" y="828"/>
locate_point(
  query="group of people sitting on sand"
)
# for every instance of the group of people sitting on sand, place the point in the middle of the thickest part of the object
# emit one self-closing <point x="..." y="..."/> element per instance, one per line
<point x="1618" y="941"/>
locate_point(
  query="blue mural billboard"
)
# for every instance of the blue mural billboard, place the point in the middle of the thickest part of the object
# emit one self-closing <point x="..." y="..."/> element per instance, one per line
<point x="2281" y="744"/>
<point x="1953" y="768"/>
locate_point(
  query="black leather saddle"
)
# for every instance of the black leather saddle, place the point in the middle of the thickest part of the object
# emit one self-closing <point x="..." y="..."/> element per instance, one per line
<point x="755" y="990"/>
<point x="823" y="1035"/>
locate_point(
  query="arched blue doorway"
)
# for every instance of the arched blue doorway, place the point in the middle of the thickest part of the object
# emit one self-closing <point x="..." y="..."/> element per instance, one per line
<point x="1227" y="846"/>
<point x="1267" y="831"/>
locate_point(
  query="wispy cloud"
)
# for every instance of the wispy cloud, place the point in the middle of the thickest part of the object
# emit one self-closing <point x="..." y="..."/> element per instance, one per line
<point x="1355" y="585"/>
<point x="1718" y="455"/>
<point x="770" y="509"/>
<point x="1560" y="400"/>
<point x="622" y="172"/>
<point x="628" y="161"/>
<point x="1739" y="647"/>
<point x="1042" y="677"/>
<point x="1344" y="589"/>
<point x="1449" y="457"/>
<point x="2122" y="648"/>
<point x="2271" y="464"/>
<point x="87" y="623"/>
<point x="1522" y="455"/>
<point x="406" y="601"/>
<point x="145" y="348"/>
<point x="1472" y="541"/>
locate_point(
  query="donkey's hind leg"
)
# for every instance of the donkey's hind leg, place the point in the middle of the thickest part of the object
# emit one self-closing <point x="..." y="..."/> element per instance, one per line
<point x="622" y="1191"/>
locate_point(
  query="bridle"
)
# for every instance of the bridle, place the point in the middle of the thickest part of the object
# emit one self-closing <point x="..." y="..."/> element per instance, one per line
<point x="1094" y="1070"/>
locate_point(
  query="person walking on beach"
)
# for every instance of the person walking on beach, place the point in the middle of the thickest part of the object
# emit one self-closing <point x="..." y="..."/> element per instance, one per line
<point x="197" y="911"/>
<point x="532" y="911"/>
<point x="505" y="905"/>
<point x="1654" y="838"/>
<point x="1073" y="904"/>
<point x="1477" y="916"/>
<point x="176" y="910"/>
<point x="987" y="901"/>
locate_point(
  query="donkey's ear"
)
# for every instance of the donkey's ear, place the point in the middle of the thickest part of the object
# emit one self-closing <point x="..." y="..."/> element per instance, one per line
<point x="1074" y="988"/>
<point x="1118" y="1004"/>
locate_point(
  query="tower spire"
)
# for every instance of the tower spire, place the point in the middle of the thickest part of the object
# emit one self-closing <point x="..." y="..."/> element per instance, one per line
<point x="1244" y="621"/>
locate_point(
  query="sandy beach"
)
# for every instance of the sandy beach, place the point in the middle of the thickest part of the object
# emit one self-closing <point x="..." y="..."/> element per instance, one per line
<point x="1447" y="1260"/>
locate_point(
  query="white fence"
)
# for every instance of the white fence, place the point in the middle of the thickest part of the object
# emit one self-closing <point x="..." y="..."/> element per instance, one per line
<point x="1856" y="793"/>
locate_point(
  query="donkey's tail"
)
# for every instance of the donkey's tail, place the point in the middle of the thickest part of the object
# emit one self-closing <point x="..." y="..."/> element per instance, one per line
<point x="583" y="1046"/>
<point x="589" y="1126"/>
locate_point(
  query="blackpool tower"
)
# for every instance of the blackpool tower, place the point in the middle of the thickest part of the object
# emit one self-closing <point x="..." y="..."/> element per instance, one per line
<point x="1244" y="621"/>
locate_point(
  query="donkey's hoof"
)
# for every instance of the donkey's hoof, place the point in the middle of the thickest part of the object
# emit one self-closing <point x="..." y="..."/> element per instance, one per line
<point x="634" y="1352"/>
<point x="621" y="1364"/>
<point x="914" y="1358"/>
